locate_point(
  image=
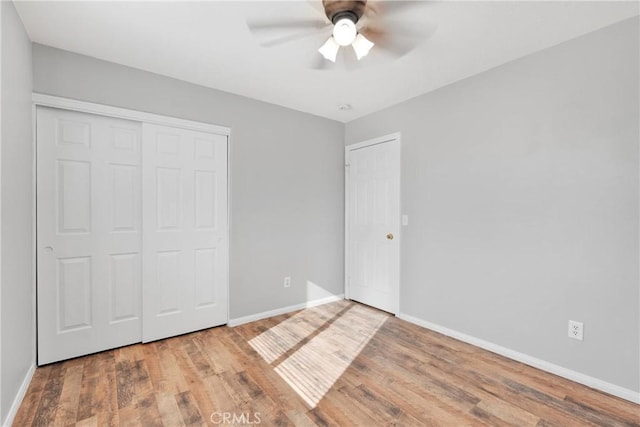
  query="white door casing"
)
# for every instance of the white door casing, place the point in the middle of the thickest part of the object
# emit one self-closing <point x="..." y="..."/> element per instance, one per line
<point x="89" y="233"/>
<point x="185" y="261"/>
<point x="373" y="222"/>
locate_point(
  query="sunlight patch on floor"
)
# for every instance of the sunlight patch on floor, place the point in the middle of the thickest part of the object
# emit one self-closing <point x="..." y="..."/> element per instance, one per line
<point x="315" y="367"/>
<point x="276" y="341"/>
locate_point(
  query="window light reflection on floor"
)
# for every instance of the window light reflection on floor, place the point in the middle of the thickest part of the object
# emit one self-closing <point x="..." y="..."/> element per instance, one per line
<point x="312" y="366"/>
<point x="281" y="338"/>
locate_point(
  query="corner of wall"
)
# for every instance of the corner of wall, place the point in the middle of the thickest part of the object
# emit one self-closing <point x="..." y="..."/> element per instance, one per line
<point x="17" y="300"/>
<point x="1" y="17"/>
<point x="15" y="405"/>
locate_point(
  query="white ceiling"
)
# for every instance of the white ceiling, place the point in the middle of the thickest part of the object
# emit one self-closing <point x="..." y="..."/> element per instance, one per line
<point x="209" y="43"/>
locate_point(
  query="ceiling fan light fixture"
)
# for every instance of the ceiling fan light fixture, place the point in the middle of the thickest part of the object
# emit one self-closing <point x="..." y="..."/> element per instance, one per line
<point x="330" y="49"/>
<point x="344" y="31"/>
<point x="362" y="46"/>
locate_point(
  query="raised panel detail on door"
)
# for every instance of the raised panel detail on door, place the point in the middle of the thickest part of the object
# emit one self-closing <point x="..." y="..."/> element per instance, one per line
<point x="205" y="268"/>
<point x="125" y="287"/>
<point x="74" y="132"/>
<point x="185" y="231"/>
<point x="169" y="203"/>
<point x="74" y="196"/>
<point x="168" y="282"/>
<point x="74" y="293"/>
<point x="205" y="200"/>
<point x="125" y="140"/>
<point x="89" y="233"/>
<point x="168" y="143"/>
<point x="125" y="197"/>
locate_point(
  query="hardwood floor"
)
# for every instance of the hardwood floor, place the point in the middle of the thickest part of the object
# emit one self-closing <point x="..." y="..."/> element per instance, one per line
<point x="338" y="364"/>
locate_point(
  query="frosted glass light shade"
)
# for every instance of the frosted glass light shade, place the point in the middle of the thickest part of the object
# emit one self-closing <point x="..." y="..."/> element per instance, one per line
<point x="362" y="46"/>
<point x="344" y="32"/>
<point x="330" y="49"/>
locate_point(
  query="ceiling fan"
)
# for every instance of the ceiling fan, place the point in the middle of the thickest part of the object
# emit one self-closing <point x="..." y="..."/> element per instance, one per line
<point x="360" y="24"/>
<point x="344" y="15"/>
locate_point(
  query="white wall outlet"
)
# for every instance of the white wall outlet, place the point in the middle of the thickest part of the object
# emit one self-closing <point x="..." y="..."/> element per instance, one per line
<point x="405" y="220"/>
<point x="576" y="330"/>
<point x="287" y="282"/>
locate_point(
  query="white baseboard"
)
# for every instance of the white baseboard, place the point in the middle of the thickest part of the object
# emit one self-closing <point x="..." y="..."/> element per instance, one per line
<point x="284" y="310"/>
<point x="8" y="421"/>
<point x="578" y="377"/>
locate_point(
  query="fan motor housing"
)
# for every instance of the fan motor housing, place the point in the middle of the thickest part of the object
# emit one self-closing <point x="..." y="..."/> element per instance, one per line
<point x="338" y="9"/>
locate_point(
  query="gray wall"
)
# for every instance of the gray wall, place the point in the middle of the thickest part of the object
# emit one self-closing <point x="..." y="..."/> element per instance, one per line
<point x="521" y="186"/>
<point x="287" y="175"/>
<point x="16" y="281"/>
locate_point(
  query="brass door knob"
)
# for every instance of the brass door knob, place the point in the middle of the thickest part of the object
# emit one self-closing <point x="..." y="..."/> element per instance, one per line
<point x="390" y="236"/>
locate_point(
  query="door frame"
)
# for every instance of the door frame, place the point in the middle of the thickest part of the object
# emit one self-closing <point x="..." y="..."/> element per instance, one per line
<point x="396" y="136"/>
<point x="42" y="100"/>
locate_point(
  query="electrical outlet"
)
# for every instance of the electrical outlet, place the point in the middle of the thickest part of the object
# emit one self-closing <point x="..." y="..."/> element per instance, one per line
<point x="287" y="282"/>
<point x="576" y="330"/>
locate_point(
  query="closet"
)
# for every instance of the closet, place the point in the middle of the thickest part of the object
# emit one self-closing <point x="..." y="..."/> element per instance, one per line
<point x="132" y="230"/>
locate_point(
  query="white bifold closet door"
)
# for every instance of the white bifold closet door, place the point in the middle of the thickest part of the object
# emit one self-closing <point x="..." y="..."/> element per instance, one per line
<point x="184" y="231"/>
<point x="131" y="232"/>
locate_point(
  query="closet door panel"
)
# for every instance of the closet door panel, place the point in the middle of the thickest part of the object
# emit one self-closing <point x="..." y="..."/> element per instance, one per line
<point x="89" y="233"/>
<point x="185" y="231"/>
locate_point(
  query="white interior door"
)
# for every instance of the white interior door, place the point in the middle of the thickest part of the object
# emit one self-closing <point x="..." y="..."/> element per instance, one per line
<point x="373" y="223"/>
<point x="88" y="233"/>
<point x="184" y="231"/>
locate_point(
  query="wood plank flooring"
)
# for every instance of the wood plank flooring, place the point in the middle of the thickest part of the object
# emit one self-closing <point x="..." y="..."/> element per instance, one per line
<point x="341" y="364"/>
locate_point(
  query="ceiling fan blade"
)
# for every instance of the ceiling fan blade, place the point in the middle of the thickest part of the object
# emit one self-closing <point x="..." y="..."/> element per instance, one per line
<point x="273" y="33"/>
<point x="293" y="37"/>
<point x="316" y="5"/>
<point x="387" y="8"/>
<point x="378" y="32"/>
<point x="304" y="24"/>
<point x="402" y="39"/>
